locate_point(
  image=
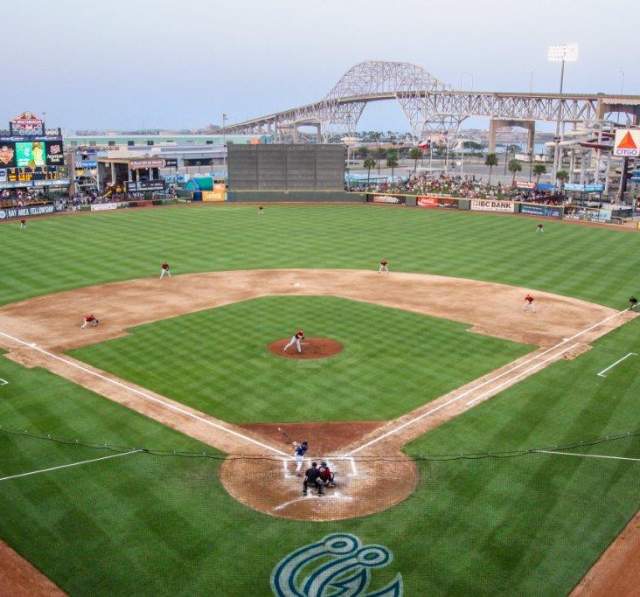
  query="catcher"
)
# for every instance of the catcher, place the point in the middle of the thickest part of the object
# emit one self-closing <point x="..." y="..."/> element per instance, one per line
<point x="326" y="475"/>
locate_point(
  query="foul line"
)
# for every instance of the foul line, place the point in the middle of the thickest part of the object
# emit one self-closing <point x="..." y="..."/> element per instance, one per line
<point x="3" y="382"/>
<point x="601" y="374"/>
<point x="144" y="395"/>
<point x="57" y="468"/>
<point x="395" y="430"/>
<point x="586" y="455"/>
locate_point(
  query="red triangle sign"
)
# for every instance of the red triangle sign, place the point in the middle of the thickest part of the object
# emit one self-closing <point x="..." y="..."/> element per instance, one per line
<point x="627" y="142"/>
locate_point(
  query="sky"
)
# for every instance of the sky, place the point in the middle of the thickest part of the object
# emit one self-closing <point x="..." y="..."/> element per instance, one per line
<point x="130" y="64"/>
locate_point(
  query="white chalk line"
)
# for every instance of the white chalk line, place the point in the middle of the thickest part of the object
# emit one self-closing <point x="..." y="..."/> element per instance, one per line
<point x="535" y="357"/>
<point x="57" y="468"/>
<point x="602" y="373"/>
<point x="144" y="395"/>
<point x="328" y="459"/>
<point x="3" y="382"/>
<point x="586" y="455"/>
<point x="330" y="496"/>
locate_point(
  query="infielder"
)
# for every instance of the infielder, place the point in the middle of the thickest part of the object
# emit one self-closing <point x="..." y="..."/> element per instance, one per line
<point x="528" y="303"/>
<point x="383" y="268"/>
<point x="164" y="270"/>
<point x="296" y="341"/>
<point x="89" y="320"/>
<point x="299" y="450"/>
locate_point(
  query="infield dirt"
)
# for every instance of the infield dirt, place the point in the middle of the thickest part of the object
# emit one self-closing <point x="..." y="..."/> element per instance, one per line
<point x="46" y="326"/>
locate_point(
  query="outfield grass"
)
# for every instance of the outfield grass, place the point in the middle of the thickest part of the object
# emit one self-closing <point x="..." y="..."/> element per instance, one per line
<point x="152" y="525"/>
<point x="64" y="252"/>
<point x="217" y="360"/>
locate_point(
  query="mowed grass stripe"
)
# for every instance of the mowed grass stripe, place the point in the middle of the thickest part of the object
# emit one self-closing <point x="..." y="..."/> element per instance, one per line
<point x="217" y="360"/>
<point x="65" y="252"/>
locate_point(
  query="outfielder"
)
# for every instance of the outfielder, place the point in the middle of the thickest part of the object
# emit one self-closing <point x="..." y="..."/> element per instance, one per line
<point x="164" y="270"/>
<point x="296" y="341"/>
<point x="299" y="450"/>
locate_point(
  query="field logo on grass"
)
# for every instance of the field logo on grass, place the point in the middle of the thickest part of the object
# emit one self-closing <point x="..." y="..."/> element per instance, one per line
<point x="337" y="565"/>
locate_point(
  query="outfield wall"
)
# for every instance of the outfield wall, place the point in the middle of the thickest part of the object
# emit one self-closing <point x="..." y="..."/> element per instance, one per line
<point x="507" y="206"/>
<point x="295" y="196"/>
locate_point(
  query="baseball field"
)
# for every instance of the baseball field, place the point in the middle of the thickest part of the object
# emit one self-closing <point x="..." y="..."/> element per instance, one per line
<point x="479" y="447"/>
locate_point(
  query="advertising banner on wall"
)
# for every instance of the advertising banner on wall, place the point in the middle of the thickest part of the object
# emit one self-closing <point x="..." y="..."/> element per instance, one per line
<point x="145" y="185"/>
<point x="432" y="201"/>
<point x="548" y="211"/>
<point x="492" y="205"/>
<point x="106" y="206"/>
<point x="54" y="153"/>
<point x="596" y="187"/>
<point x="390" y="199"/>
<point x="21" y="212"/>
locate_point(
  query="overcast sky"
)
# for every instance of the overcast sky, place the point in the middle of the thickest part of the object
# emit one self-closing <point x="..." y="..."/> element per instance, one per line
<point x="171" y="64"/>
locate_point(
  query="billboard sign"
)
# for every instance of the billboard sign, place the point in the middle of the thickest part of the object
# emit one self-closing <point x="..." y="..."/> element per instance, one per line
<point x="492" y="205"/>
<point x="31" y="154"/>
<point x="596" y="187"/>
<point x="145" y="185"/>
<point x="54" y="153"/>
<point x="563" y="53"/>
<point x="7" y="155"/>
<point x="139" y="164"/>
<point x="627" y="143"/>
<point x="18" y="212"/>
<point x="388" y="199"/>
<point x="3" y="175"/>
<point x="26" y="123"/>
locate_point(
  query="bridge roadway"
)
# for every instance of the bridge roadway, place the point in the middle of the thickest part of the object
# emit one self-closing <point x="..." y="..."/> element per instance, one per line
<point x="585" y="107"/>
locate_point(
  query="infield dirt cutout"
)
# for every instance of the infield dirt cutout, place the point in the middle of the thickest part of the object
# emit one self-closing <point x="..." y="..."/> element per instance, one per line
<point x="373" y="472"/>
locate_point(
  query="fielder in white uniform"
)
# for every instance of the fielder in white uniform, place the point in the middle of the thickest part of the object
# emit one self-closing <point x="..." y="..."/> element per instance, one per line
<point x="383" y="268"/>
<point x="164" y="270"/>
<point x="295" y="341"/>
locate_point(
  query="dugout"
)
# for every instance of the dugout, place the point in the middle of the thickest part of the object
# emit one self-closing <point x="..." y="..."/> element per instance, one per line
<point x="287" y="172"/>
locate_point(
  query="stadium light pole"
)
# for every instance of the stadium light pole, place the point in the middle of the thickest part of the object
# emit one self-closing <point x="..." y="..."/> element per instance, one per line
<point x="563" y="53"/>
<point x="224" y="141"/>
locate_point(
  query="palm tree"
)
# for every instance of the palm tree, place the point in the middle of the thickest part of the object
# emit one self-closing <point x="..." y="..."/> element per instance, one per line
<point x="514" y="167"/>
<point x="368" y="164"/>
<point x="562" y="176"/>
<point x="491" y="160"/>
<point x="392" y="163"/>
<point x="381" y="153"/>
<point x="539" y="170"/>
<point x="415" y="154"/>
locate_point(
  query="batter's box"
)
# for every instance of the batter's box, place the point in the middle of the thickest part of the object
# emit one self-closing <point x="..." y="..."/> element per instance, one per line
<point x="342" y="466"/>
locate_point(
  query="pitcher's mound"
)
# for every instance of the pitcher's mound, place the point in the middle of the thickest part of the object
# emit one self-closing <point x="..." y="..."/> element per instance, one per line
<point x="312" y="348"/>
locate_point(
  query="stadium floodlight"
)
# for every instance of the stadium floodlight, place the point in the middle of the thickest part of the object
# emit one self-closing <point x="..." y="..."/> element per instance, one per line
<point x="563" y="53"/>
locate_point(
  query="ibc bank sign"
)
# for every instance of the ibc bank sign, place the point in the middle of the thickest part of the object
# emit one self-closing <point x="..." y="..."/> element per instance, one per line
<point x="627" y="143"/>
<point x="492" y="205"/>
